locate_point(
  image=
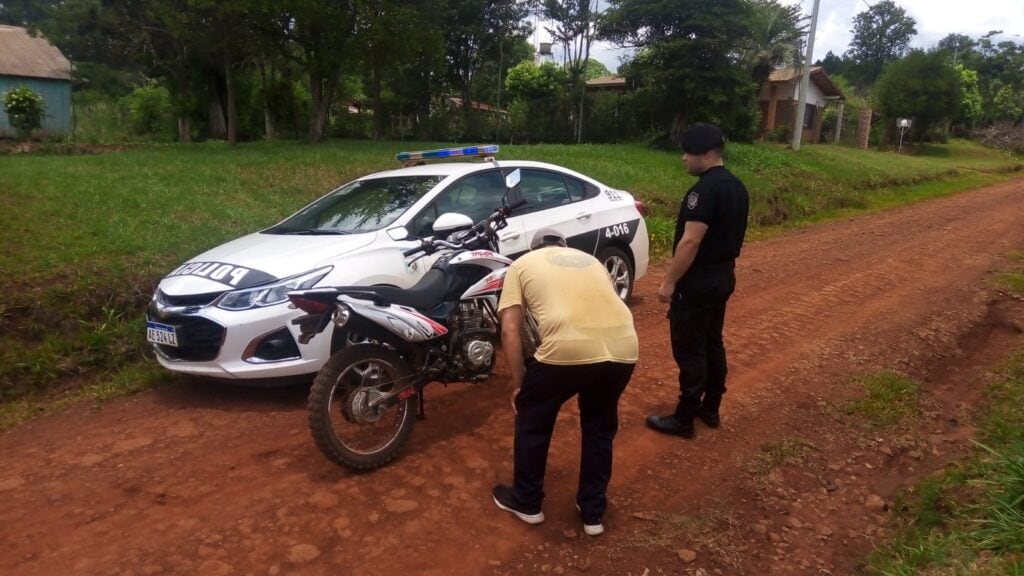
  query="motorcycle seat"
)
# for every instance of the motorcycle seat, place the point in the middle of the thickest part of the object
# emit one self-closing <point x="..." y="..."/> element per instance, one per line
<point x="426" y="294"/>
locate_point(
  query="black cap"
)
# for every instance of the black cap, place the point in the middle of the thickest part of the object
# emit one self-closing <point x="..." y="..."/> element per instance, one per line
<point x="702" y="137"/>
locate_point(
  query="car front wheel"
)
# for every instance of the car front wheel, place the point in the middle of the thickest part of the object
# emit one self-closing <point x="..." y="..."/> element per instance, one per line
<point x="620" y="270"/>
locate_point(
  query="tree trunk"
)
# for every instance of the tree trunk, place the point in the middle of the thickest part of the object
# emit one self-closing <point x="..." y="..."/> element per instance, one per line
<point x="678" y="126"/>
<point x="218" y="127"/>
<point x="229" y="80"/>
<point x="467" y="110"/>
<point x="184" y="128"/>
<point x="378" y="107"/>
<point x="269" y="128"/>
<point x="321" y="93"/>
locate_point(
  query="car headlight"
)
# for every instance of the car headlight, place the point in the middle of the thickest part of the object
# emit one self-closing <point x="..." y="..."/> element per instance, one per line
<point x="270" y="294"/>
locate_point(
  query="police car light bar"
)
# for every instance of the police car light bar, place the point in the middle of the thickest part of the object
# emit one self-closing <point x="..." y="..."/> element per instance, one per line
<point x="487" y="150"/>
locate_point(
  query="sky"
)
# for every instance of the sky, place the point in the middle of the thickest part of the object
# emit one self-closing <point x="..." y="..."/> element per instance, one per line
<point x="935" y="19"/>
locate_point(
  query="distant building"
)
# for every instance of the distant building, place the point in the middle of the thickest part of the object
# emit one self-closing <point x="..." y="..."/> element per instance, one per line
<point x="31" y="61"/>
<point x="456" y="103"/>
<point x="781" y="95"/>
<point x="611" y="82"/>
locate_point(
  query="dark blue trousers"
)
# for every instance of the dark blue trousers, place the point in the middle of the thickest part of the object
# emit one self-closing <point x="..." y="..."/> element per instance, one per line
<point x="545" y="388"/>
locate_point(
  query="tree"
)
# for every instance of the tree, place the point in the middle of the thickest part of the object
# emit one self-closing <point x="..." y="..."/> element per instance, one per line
<point x="1006" y="105"/>
<point x="881" y="34"/>
<point x="25" y="13"/>
<point x="595" y="69"/>
<point x="393" y="32"/>
<point x="574" y="30"/>
<point x="688" y="68"/>
<point x="530" y="81"/>
<point x="540" y="103"/>
<point x="970" y="98"/>
<point x="923" y="87"/>
<point x="958" y="46"/>
<point x="778" y="33"/>
<point x="473" y="29"/>
<point x="321" y="36"/>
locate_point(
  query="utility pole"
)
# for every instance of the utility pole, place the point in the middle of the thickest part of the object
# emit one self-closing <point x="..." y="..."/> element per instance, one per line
<point x="805" y="81"/>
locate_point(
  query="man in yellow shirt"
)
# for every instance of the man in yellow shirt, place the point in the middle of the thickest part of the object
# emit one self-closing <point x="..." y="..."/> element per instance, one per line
<point x="588" y="349"/>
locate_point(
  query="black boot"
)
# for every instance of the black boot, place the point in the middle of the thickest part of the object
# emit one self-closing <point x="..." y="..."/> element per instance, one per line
<point x="672" y="424"/>
<point x="708" y="411"/>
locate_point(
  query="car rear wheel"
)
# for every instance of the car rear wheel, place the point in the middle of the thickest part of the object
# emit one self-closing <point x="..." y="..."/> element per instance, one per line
<point x="620" y="270"/>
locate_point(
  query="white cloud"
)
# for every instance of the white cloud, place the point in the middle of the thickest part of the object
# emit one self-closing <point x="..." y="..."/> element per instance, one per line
<point x="935" y="19"/>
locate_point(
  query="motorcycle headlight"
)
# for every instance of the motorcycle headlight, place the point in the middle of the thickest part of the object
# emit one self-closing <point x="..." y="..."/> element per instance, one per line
<point x="270" y="294"/>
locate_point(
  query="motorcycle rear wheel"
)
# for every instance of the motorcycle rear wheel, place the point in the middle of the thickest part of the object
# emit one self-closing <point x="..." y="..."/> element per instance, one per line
<point x="351" y="422"/>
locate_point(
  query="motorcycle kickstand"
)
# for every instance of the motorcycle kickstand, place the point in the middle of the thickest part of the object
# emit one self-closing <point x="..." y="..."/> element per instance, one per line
<point x="421" y="413"/>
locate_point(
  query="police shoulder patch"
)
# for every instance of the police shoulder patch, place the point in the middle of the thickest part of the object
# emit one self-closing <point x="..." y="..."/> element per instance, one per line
<point x="691" y="200"/>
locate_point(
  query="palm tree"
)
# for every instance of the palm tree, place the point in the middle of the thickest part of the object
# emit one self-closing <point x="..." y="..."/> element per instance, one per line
<point x="778" y="36"/>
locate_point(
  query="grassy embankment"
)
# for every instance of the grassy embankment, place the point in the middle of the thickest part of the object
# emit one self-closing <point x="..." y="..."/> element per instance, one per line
<point x="968" y="520"/>
<point x="86" y="237"/>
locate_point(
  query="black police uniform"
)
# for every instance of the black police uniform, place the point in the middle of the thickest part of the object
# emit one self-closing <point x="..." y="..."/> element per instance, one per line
<point x="697" y="312"/>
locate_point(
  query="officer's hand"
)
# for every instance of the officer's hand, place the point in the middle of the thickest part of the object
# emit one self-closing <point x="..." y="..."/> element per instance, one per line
<point x="514" y="394"/>
<point x="665" y="293"/>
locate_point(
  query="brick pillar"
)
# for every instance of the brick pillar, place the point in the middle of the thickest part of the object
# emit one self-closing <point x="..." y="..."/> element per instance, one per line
<point x="864" y="128"/>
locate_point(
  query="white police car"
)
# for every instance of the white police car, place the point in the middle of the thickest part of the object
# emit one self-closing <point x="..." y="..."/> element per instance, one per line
<point x="225" y="314"/>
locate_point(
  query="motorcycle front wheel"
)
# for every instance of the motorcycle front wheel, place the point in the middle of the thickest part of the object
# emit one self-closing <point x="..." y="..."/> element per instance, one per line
<point x="356" y="414"/>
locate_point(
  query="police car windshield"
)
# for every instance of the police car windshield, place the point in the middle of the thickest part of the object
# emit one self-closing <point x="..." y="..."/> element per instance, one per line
<point x="362" y="206"/>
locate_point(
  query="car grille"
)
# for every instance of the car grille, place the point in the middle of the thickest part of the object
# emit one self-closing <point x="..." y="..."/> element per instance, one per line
<point x="199" y="339"/>
<point x="186" y="300"/>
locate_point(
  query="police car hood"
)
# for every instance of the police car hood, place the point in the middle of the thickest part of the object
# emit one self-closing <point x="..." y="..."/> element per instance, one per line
<point x="257" y="259"/>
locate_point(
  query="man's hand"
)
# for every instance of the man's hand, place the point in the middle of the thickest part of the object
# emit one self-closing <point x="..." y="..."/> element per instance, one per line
<point x="665" y="292"/>
<point x="514" y="394"/>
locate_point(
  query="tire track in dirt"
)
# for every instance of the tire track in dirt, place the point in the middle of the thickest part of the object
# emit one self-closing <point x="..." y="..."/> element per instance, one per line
<point x="204" y="479"/>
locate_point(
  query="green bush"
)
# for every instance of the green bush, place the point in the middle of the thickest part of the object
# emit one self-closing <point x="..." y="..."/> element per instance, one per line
<point x="25" y="110"/>
<point x="353" y="126"/>
<point x="151" y="111"/>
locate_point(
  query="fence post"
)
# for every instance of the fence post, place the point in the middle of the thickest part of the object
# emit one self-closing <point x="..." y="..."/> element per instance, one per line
<point x="839" y="121"/>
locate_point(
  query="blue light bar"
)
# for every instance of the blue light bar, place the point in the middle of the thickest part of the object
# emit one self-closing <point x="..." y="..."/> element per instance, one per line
<point x="486" y="150"/>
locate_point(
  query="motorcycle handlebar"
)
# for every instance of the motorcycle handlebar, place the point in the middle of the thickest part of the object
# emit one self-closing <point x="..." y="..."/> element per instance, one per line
<point x="415" y="249"/>
<point x="482" y="228"/>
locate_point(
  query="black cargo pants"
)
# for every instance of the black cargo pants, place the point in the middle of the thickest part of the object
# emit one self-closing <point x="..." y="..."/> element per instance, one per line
<point x="696" y="318"/>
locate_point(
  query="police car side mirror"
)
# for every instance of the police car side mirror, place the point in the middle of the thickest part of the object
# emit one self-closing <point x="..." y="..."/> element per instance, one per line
<point x="398" y="233"/>
<point x="512" y="179"/>
<point x="452" y="221"/>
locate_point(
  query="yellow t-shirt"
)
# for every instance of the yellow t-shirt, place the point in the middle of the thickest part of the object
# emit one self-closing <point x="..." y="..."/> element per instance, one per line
<point x="580" y="317"/>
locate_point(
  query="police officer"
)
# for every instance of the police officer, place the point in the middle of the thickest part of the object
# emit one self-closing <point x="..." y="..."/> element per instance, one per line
<point x="587" y="349"/>
<point x="709" y="234"/>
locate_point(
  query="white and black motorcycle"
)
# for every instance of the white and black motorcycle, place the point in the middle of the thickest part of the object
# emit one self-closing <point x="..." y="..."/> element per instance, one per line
<point x="393" y="341"/>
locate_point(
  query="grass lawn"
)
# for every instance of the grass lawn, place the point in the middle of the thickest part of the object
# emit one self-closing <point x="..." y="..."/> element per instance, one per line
<point x="87" y="237"/>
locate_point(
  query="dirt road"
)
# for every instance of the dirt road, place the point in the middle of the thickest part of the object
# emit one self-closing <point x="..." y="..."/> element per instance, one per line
<point x="211" y="480"/>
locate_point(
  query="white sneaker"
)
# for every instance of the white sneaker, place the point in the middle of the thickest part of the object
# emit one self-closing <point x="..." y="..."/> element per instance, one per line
<point x="591" y="529"/>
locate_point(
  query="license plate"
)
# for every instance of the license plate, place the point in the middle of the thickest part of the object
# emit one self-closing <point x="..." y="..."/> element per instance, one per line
<point x="161" y="334"/>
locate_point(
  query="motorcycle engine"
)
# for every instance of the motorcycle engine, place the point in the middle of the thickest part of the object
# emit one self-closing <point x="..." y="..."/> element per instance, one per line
<point x="475" y="350"/>
<point x="478" y="353"/>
